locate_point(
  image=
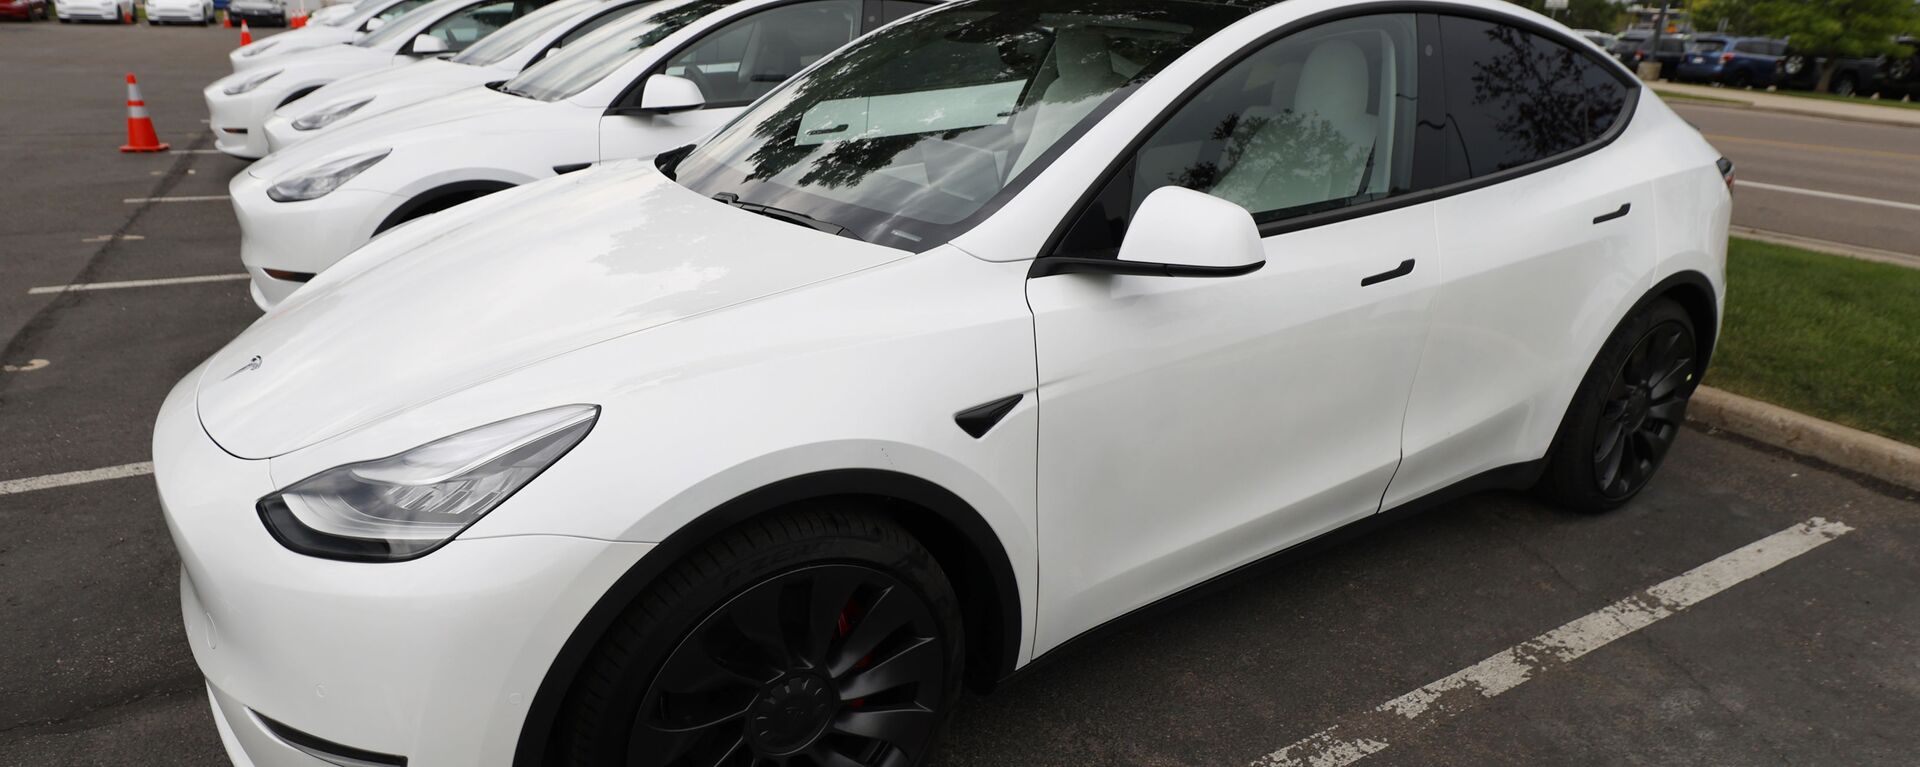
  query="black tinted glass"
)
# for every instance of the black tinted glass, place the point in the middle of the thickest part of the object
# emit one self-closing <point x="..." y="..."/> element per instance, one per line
<point x="1514" y="97"/>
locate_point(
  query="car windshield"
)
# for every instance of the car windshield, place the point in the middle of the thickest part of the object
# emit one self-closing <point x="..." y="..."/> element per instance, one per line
<point x="396" y="30"/>
<point x="496" y="47"/>
<point x="905" y="136"/>
<point x="578" y="66"/>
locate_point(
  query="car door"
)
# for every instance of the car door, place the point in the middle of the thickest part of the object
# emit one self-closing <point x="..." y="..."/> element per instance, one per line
<point x="1545" y="241"/>
<point x="733" y="65"/>
<point x="1189" y="426"/>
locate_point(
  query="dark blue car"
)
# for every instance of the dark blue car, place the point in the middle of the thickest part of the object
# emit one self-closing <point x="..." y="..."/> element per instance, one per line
<point x="1741" y="62"/>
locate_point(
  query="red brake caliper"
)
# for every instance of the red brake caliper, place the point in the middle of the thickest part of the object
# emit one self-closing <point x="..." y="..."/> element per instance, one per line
<point x="844" y="626"/>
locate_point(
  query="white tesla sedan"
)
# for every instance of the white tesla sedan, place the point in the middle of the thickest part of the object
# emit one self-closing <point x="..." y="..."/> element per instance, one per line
<point x="116" y="11"/>
<point x="501" y="56"/>
<point x="995" y="326"/>
<point x="239" y="104"/>
<point x="179" y="12"/>
<point x="643" y="84"/>
<point x="335" y="28"/>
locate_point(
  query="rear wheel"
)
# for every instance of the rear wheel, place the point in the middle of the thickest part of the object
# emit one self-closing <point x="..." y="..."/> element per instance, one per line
<point x="814" y="638"/>
<point x="1845" y="85"/>
<point x="1627" y="412"/>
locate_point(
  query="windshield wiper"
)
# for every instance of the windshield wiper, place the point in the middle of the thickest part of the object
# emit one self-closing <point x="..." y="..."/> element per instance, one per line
<point x="789" y="216"/>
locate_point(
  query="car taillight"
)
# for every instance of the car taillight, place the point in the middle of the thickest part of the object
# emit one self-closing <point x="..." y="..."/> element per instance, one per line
<point x="1639" y="56"/>
<point x="1726" y="58"/>
<point x="1726" y="173"/>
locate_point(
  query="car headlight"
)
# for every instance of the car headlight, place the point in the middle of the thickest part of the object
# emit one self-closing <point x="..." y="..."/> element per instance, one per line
<point x="405" y="506"/>
<point x="259" y="48"/>
<point x="321" y="181"/>
<point x="329" y="115"/>
<point x="252" y="82"/>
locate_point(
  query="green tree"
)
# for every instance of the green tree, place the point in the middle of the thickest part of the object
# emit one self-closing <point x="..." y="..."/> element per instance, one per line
<point x="1830" y="28"/>
<point x="1603" y="15"/>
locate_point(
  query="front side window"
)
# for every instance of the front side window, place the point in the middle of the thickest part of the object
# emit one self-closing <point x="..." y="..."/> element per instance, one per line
<point x="745" y="59"/>
<point x="1320" y="120"/>
<point x="578" y="66"/>
<point x="470" y="24"/>
<point x="1514" y="97"/>
<point x="397" y="24"/>
<point x="496" y="48"/>
<point x="905" y="135"/>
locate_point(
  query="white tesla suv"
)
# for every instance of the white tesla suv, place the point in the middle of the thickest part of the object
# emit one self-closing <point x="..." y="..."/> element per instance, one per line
<point x="341" y="24"/>
<point x="501" y="56"/>
<point x="239" y="104"/>
<point x="995" y="326"/>
<point x="646" y="83"/>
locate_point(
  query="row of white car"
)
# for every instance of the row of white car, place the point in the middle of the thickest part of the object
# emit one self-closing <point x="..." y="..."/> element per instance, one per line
<point x="200" y="11"/>
<point x="409" y="107"/>
<point x="780" y="382"/>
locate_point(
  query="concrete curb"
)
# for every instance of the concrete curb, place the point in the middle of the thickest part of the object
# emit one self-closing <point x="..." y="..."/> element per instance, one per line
<point x="1825" y="246"/>
<point x="1851" y="449"/>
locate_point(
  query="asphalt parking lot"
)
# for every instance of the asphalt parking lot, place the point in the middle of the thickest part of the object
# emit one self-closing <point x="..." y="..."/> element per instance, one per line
<point x="1748" y="609"/>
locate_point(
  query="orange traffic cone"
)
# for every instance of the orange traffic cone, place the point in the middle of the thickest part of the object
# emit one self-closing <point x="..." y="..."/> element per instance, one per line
<point x="140" y="135"/>
<point x="246" y="35"/>
<point x="226" y="20"/>
<point x="298" y="21"/>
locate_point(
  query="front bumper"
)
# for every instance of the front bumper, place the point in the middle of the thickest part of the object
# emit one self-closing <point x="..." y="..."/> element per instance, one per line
<point x="280" y="133"/>
<point x="303" y="237"/>
<point x="237" y="120"/>
<point x="257" y="16"/>
<point x="435" y="660"/>
<point x="192" y="14"/>
<point x="88" y="13"/>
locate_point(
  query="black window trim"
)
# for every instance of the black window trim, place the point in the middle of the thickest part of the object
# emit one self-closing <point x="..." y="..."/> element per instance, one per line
<point x="620" y="105"/>
<point x="1425" y="8"/>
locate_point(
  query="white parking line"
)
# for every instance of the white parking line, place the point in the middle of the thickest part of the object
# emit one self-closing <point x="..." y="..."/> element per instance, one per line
<point x="108" y="237"/>
<point x="135" y="284"/>
<point x="1370" y="732"/>
<point x="192" y="198"/>
<point x="12" y="486"/>
<point x="194" y="151"/>
<point x="1827" y="195"/>
<point x="32" y="365"/>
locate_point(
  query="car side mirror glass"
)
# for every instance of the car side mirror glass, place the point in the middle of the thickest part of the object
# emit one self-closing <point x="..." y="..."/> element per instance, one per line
<point x="1177" y="232"/>
<point x="428" y="45"/>
<point x="665" y="94"/>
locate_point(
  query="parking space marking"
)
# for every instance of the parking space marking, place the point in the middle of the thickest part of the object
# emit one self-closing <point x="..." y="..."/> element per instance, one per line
<point x="121" y="237"/>
<point x="190" y="198"/>
<point x="194" y="151"/>
<point x="1827" y="195"/>
<point x="1373" y="731"/>
<point x="135" y="283"/>
<point x="31" y="366"/>
<point x="50" y="481"/>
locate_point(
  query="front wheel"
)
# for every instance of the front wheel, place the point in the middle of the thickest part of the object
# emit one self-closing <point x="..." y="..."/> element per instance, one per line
<point x="1627" y="412"/>
<point x="811" y="638"/>
<point x="1845" y="86"/>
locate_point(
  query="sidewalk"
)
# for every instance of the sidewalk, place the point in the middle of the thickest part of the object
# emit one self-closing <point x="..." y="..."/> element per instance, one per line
<point x="1773" y="102"/>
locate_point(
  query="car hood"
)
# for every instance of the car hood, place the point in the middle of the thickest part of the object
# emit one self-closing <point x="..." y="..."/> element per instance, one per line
<point x="472" y="294"/>
<point x="390" y="129"/>
<point x="394" y="88"/>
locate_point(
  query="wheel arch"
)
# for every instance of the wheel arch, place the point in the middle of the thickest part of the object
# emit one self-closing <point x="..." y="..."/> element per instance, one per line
<point x="440" y="198"/>
<point x="960" y="539"/>
<point x="1695" y="294"/>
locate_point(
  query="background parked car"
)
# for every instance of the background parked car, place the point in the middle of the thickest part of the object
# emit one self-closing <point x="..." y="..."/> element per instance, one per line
<point x="1627" y="42"/>
<point x="1800" y="71"/>
<point x="1672" y="49"/>
<point x="1599" y="38"/>
<point x="1741" y="62"/>
<point x="179" y="12"/>
<point x="25" y="10"/>
<point x="262" y="12"/>
<point x="1900" y="74"/>
<point x="114" y="11"/>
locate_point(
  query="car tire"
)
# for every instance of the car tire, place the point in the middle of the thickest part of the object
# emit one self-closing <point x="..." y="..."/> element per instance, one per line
<point x="1627" y="412"/>
<point x="1740" y="80"/>
<point x="1845" y="85"/>
<point x="820" y="631"/>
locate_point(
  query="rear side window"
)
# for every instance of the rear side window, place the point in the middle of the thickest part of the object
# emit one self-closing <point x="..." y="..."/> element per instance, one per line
<point x="1514" y="97"/>
<point x="1710" y="46"/>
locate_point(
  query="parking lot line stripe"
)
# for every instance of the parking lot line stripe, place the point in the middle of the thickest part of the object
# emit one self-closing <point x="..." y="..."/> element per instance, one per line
<point x="192" y="198"/>
<point x="1828" y="195"/>
<point x="135" y="283"/>
<point x="194" y="151"/>
<point x="1374" y="730"/>
<point x="13" y="486"/>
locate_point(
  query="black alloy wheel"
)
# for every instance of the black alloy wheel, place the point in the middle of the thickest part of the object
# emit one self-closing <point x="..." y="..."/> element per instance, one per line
<point x="1644" y="410"/>
<point x="828" y="666"/>
<point x="1626" y="413"/>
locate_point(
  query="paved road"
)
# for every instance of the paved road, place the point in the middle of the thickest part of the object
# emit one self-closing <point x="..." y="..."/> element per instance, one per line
<point x="1810" y="659"/>
<point x="1877" y="162"/>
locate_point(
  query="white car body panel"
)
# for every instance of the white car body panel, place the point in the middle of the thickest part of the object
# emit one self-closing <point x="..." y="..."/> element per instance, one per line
<point x="474" y="135"/>
<point x="392" y="89"/>
<point x="1168" y="430"/>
